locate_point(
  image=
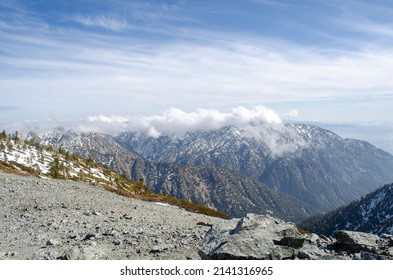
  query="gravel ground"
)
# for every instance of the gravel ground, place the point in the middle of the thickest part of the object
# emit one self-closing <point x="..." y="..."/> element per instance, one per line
<point x="57" y="219"/>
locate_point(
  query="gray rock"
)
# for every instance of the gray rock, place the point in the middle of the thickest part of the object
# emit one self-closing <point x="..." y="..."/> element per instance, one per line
<point x="11" y="254"/>
<point x="84" y="253"/>
<point x="357" y="241"/>
<point x="44" y="254"/>
<point x="314" y="238"/>
<point x="160" y="248"/>
<point x="371" y="256"/>
<point x="52" y="242"/>
<point x="90" y="236"/>
<point x="289" y="241"/>
<point x="310" y="251"/>
<point x="388" y="238"/>
<point x="127" y="217"/>
<point x="252" y="237"/>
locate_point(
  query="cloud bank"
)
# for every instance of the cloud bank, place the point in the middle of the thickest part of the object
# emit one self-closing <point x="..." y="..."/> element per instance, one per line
<point x="176" y="122"/>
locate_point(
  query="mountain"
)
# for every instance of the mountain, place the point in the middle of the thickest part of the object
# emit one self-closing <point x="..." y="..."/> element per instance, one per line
<point x="311" y="164"/>
<point x="290" y="170"/>
<point x="373" y="213"/>
<point x="231" y="192"/>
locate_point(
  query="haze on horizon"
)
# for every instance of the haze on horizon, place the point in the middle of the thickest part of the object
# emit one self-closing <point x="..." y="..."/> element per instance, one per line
<point x="325" y="62"/>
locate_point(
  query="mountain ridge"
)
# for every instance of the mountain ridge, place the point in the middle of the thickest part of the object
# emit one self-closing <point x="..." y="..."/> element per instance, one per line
<point x="372" y="213"/>
<point x="311" y="164"/>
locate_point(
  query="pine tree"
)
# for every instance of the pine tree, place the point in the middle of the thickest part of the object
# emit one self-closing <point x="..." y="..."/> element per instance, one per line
<point x="16" y="136"/>
<point x="10" y="146"/>
<point x="67" y="156"/>
<point x="75" y="157"/>
<point x="3" y="135"/>
<point x="54" y="170"/>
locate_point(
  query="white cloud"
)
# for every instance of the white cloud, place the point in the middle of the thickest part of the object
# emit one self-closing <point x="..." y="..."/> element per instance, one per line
<point x="178" y="122"/>
<point x="291" y="114"/>
<point x="152" y="132"/>
<point x="107" y="119"/>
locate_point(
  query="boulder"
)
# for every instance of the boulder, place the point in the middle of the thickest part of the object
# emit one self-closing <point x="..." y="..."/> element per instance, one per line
<point x="81" y="253"/>
<point x="252" y="237"/>
<point x="356" y="242"/>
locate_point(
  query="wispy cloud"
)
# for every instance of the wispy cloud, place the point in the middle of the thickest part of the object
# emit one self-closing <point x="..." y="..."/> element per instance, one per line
<point x="226" y="71"/>
<point x="157" y="13"/>
<point x="102" y="21"/>
<point x="369" y="27"/>
<point x="192" y="67"/>
<point x="15" y="17"/>
<point x="12" y="5"/>
<point x="273" y="3"/>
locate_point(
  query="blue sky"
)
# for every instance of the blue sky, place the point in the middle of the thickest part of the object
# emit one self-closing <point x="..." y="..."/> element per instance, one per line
<point x="308" y="60"/>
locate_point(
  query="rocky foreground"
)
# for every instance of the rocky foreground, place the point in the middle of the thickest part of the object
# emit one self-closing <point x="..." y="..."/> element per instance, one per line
<point x="56" y="219"/>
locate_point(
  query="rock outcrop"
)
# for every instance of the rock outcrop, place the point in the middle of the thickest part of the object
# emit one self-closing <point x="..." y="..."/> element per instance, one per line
<point x="269" y="238"/>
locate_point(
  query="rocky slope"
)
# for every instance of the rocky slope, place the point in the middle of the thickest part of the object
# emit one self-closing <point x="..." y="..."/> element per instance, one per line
<point x="372" y="213"/>
<point x="58" y="219"/>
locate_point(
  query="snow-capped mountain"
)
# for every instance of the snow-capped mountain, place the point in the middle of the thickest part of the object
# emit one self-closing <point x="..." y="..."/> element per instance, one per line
<point x="372" y="213"/>
<point x="291" y="170"/>
<point x="309" y="163"/>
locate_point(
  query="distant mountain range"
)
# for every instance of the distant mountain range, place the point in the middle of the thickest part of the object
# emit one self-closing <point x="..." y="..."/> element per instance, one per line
<point x="290" y="171"/>
<point x="372" y="213"/>
<point x="311" y="164"/>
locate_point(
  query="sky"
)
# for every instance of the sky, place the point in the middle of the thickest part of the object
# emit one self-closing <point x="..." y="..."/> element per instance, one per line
<point x="324" y="62"/>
